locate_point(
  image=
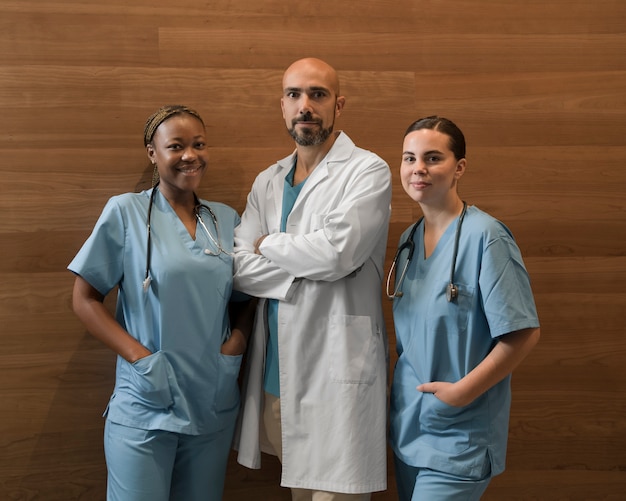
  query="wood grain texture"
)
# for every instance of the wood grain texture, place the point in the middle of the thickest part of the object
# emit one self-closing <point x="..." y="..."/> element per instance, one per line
<point x="538" y="88"/>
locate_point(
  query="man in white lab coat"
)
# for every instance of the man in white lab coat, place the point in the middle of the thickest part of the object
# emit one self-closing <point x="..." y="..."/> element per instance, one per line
<point x="311" y="244"/>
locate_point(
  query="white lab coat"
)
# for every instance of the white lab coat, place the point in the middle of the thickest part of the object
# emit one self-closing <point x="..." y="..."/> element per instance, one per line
<point x="327" y="270"/>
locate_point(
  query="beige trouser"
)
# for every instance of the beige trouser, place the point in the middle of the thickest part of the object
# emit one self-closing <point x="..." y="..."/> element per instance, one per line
<point x="271" y="421"/>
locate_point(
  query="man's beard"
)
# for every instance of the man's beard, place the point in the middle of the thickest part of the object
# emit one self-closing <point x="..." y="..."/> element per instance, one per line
<point x="310" y="137"/>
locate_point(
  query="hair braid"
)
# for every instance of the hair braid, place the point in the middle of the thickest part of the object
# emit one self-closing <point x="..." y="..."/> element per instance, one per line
<point x="161" y="115"/>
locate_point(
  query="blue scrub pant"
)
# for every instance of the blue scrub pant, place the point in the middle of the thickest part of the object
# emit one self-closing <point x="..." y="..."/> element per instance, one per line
<point x="422" y="484"/>
<point x="156" y="465"/>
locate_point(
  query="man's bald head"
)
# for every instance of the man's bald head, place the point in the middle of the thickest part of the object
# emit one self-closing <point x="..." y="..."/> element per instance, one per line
<point x="315" y="70"/>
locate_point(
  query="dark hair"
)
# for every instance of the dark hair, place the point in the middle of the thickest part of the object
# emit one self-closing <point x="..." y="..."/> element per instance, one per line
<point x="161" y="115"/>
<point x="445" y="126"/>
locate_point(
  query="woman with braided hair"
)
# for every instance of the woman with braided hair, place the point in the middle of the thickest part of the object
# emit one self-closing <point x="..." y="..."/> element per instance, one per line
<point x="170" y="420"/>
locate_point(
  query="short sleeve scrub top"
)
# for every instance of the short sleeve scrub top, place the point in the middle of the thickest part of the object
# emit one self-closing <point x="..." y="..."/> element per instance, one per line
<point x="438" y="340"/>
<point x="186" y="385"/>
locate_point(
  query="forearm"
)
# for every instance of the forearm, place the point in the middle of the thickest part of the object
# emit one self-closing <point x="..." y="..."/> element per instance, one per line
<point x="506" y="355"/>
<point x="256" y="276"/>
<point x="340" y="242"/>
<point x="344" y="223"/>
<point x="242" y="320"/>
<point x="89" y="308"/>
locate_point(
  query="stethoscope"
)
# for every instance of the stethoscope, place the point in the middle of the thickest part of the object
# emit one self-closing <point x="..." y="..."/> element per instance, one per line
<point x="452" y="291"/>
<point x="199" y="206"/>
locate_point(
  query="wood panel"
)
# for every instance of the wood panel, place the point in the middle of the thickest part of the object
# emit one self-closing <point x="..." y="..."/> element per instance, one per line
<point x="538" y="88"/>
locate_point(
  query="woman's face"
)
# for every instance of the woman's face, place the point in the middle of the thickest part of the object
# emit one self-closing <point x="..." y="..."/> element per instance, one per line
<point x="429" y="171"/>
<point x="180" y="152"/>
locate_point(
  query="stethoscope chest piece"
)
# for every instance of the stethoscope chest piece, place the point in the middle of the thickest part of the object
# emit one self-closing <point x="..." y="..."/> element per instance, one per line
<point x="452" y="292"/>
<point x="146" y="283"/>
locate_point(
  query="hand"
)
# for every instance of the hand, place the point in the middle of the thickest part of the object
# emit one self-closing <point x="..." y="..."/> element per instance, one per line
<point x="235" y="344"/>
<point x="139" y="353"/>
<point x="448" y="393"/>
<point x="258" y="243"/>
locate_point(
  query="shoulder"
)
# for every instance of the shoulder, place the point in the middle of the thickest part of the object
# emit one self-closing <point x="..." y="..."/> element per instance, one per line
<point x="352" y="164"/>
<point x="488" y="235"/>
<point x="485" y="225"/>
<point x="279" y="168"/>
<point x="222" y="211"/>
<point x="125" y="203"/>
<point x="127" y="200"/>
<point x="345" y="147"/>
<point x="220" y="207"/>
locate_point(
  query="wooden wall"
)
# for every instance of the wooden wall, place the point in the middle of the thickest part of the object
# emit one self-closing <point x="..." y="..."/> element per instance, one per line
<point x="538" y="87"/>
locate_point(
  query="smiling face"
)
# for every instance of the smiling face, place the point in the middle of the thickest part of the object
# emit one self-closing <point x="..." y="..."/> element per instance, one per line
<point x="178" y="148"/>
<point x="429" y="171"/>
<point x="310" y="101"/>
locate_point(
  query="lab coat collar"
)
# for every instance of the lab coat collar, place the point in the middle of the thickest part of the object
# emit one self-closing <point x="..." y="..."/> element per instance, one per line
<point x="336" y="157"/>
<point x="340" y="152"/>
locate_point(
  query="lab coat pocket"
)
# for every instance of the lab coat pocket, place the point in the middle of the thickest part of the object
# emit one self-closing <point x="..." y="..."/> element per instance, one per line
<point x="227" y="392"/>
<point x="149" y="381"/>
<point x="353" y="349"/>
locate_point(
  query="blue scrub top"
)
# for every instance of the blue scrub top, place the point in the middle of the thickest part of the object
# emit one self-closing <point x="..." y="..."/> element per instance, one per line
<point x="271" y="382"/>
<point x="439" y="340"/>
<point x="186" y="385"/>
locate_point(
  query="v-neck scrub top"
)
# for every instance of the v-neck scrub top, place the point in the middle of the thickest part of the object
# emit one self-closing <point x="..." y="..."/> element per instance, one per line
<point x="271" y="379"/>
<point x="186" y="385"/>
<point x="439" y="340"/>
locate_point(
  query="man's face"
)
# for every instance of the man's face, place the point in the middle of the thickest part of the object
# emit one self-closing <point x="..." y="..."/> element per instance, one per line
<point x="310" y="103"/>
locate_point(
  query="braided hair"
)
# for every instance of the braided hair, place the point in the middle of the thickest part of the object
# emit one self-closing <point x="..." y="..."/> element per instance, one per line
<point x="161" y="115"/>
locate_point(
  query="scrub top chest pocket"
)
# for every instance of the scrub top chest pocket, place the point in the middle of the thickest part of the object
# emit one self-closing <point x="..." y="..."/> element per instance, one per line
<point x="451" y="316"/>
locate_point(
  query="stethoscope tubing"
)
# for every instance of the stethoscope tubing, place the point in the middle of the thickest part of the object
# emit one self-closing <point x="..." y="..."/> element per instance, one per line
<point x="409" y="243"/>
<point x="198" y="207"/>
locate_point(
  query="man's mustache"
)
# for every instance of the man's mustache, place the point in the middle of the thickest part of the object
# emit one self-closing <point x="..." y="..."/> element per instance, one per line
<point x="307" y="117"/>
